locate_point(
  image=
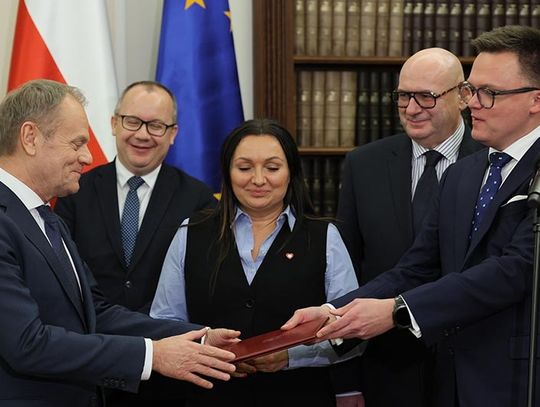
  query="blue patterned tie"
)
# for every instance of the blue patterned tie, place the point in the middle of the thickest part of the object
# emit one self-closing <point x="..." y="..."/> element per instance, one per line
<point x="490" y="188"/>
<point x="425" y="189"/>
<point x="52" y="230"/>
<point x="130" y="218"/>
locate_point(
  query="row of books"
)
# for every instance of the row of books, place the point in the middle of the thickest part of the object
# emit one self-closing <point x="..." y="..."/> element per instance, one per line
<point x="345" y="108"/>
<point x="400" y="28"/>
<point x="323" y="176"/>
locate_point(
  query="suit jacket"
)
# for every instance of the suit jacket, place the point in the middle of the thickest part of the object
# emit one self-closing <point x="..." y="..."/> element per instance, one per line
<point x="54" y="348"/>
<point x="375" y="215"/>
<point x="93" y="218"/>
<point x="471" y="299"/>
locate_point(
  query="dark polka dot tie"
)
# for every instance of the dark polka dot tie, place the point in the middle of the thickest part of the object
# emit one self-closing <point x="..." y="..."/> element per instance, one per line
<point x="130" y="218"/>
<point x="425" y="189"/>
<point x="489" y="189"/>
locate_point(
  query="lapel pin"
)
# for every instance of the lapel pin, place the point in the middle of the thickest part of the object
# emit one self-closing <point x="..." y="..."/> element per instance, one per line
<point x="289" y="255"/>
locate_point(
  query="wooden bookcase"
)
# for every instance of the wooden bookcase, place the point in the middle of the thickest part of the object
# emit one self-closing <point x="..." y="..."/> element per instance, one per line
<point x="276" y="67"/>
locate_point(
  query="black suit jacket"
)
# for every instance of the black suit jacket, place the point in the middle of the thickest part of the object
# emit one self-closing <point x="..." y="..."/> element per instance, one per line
<point x="375" y="218"/>
<point x="93" y="218"/>
<point x="472" y="298"/>
<point x="55" y="350"/>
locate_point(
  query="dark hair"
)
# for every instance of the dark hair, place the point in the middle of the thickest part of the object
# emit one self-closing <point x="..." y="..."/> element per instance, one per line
<point x="37" y="101"/>
<point x="297" y="195"/>
<point x="521" y="40"/>
<point x="149" y="86"/>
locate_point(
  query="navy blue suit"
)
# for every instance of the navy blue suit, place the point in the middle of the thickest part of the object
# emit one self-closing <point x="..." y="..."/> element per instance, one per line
<point x="471" y="299"/>
<point x="55" y="350"/>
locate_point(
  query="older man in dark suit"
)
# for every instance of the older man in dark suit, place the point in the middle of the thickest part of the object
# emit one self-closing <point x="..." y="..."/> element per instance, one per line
<point x="376" y="209"/>
<point x="60" y="340"/>
<point x="464" y="285"/>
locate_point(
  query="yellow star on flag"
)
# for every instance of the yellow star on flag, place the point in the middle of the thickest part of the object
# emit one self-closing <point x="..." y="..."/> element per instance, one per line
<point x="228" y="14"/>
<point x="190" y="3"/>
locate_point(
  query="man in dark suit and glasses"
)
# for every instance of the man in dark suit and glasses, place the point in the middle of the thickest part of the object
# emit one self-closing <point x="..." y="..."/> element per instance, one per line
<point x="465" y="284"/>
<point x="60" y="340"/>
<point x="126" y="212"/>
<point x="386" y="190"/>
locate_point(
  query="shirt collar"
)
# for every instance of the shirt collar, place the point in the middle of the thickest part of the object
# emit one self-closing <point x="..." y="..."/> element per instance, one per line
<point x="28" y="197"/>
<point x="448" y="148"/>
<point x="518" y="148"/>
<point x="123" y="175"/>
<point x="286" y="214"/>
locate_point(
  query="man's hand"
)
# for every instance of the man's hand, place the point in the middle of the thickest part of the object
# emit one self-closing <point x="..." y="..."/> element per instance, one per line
<point x="307" y="314"/>
<point x="362" y="318"/>
<point x="221" y="337"/>
<point x="181" y="358"/>
<point x="270" y="363"/>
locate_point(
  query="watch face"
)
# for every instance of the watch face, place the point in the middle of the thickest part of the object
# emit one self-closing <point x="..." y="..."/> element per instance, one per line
<point x="402" y="317"/>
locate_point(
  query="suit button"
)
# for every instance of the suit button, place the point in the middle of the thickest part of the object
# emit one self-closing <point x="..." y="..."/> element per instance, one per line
<point x="127" y="284"/>
<point x="250" y="303"/>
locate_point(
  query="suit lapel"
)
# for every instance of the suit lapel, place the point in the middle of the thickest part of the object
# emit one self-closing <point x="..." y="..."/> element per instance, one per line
<point x="107" y="194"/>
<point x="157" y="206"/>
<point x="399" y="176"/>
<point x="521" y="173"/>
<point x="18" y="212"/>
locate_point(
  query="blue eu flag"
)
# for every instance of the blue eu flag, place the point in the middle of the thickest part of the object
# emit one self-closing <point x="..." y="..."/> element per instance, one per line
<point x="196" y="61"/>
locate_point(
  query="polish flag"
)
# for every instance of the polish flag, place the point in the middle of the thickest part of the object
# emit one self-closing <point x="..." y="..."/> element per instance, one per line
<point x="69" y="41"/>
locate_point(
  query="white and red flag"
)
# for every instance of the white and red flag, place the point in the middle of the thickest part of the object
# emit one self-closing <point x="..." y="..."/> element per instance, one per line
<point x="69" y="41"/>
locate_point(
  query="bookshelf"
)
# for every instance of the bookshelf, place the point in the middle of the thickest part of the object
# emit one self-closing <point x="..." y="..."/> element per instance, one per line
<point x="305" y="51"/>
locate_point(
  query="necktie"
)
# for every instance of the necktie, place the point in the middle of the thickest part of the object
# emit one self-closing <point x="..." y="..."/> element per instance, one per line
<point x="490" y="188"/>
<point x="52" y="229"/>
<point x="130" y="218"/>
<point x="425" y="189"/>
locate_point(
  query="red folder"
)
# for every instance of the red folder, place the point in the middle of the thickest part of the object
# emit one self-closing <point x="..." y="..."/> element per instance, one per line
<point x="275" y="341"/>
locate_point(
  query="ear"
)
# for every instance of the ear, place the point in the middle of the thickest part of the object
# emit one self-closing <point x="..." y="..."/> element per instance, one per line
<point x="535" y="106"/>
<point x="174" y="133"/>
<point x="28" y="136"/>
<point x="114" y="120"/>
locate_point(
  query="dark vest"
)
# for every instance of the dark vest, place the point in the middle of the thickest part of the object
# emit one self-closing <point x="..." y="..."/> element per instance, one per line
<point x="291" y="276"/>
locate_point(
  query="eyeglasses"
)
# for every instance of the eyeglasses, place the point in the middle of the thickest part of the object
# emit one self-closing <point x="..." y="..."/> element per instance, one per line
<point x="153" y="127"/>
<point x="426" y="100"/>
<point x="486" y="96"/>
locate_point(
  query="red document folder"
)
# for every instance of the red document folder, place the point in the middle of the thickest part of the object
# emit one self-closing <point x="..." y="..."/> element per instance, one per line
<point x="275" y="341"/>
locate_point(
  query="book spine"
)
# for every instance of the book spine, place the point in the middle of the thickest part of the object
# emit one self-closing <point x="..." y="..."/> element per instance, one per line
<point x="362" y="113"/>
<point x="368" y="20"/>
<point x="386" y="104"/>
<point x="454" y="28"/>
<point x="441" y="24"/>
<point x="331" y="109"/>
<point x="535" y="13"/>
<point x="511" y="13"/>
<point x="347" y="107"/>
<point x="395" y="40"/>
<point x="325" y="28"/>
<point x="429" y="24"/>
<point x="300" y="27"/>
<point x="524" y="12"/>
<point x="374" y="106"/>
<point x="483" y="16"/>
<point x="312" y="26"/>
<point x="498" y="18"/>
<point x="317" y="109"/>
<point x="306" y="165"/>
<point x="383" y="19"/>
<point x="303" y="116"/>
<point x="352" y="41"/>
<point x="339" y="25"/>
<point x="396" y="128"/>
<point x="330" y="183"/>
<point x="407" y="28"/>
<point x="418" y="26"/>
<point x="469" y="27"/>
<point x="316" y="189"/>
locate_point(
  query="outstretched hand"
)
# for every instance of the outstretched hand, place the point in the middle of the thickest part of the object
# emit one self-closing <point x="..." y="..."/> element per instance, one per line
<point x="180" y="357"/>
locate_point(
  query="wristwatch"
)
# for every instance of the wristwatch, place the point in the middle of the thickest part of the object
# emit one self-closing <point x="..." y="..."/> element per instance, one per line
<point x="400" y="314"/>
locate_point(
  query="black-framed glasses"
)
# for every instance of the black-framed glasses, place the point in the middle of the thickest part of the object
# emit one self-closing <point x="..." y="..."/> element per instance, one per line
<point x="426" y="99"/>
<point x="486" y="96"/>
<point x="154" y="127"/>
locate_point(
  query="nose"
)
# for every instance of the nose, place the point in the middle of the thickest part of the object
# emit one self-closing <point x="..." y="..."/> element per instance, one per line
<point x="413" y="107"/>
<point x="85" y="158"/>
<point x="142" y="133"/>
<point x="473" y="102"/>
<point x="258" y="177"/>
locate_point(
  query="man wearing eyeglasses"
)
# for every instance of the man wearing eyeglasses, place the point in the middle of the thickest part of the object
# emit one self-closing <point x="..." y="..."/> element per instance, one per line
<point x="381" y="208"/>
<point x="127" y="262"/>
<point x="464" y="286"/>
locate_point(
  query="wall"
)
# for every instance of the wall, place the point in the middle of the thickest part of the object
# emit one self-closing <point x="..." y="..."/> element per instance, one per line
<point x="135" y="27"/>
